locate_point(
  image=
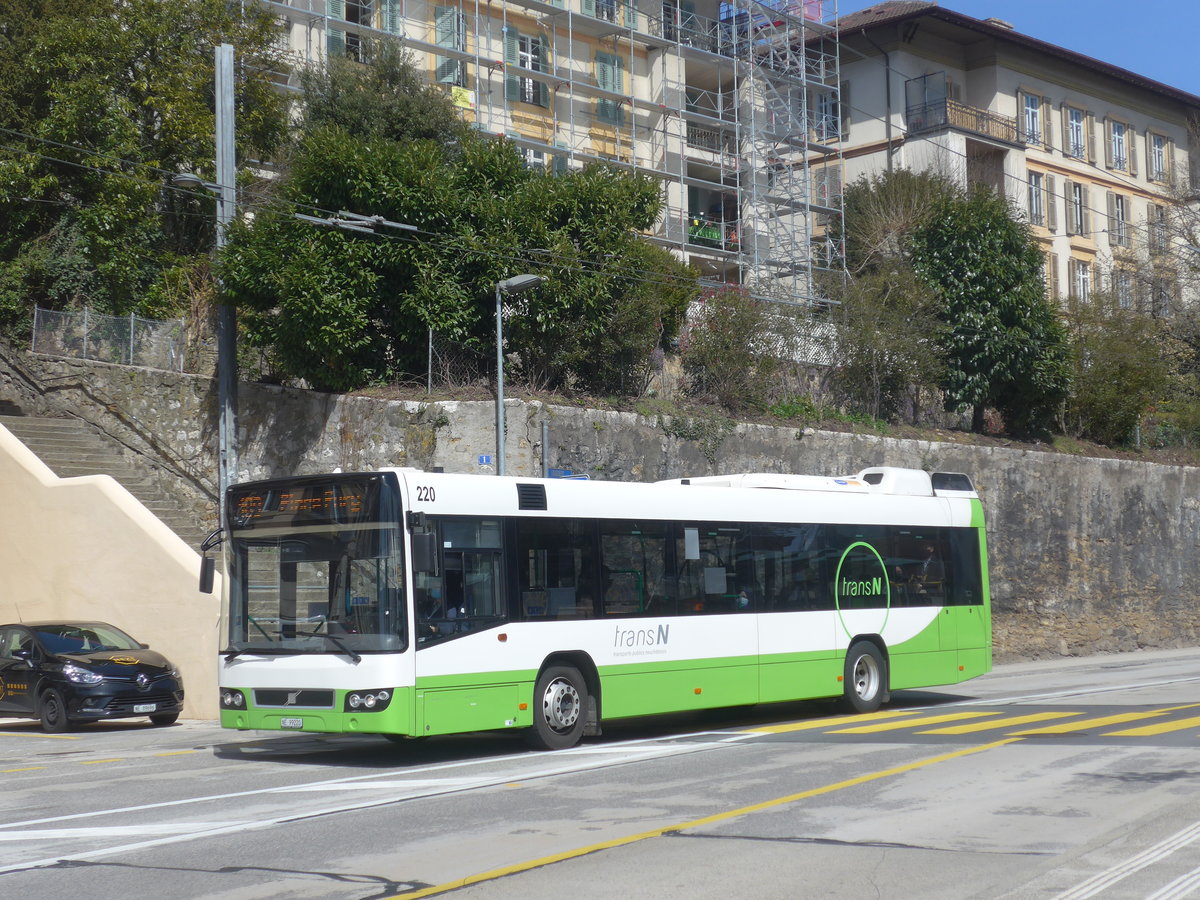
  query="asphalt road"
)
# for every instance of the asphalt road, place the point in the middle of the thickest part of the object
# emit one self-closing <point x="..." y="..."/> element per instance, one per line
<point x="1070" y="779"/>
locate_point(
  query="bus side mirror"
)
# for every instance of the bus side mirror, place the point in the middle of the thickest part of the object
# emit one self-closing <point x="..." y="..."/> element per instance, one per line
<point x="207" y="566"/>
<point x="424" y="552"/>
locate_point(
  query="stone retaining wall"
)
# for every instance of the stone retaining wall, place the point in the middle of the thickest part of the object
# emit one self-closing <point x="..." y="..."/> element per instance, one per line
<point x="1087" y="555"/>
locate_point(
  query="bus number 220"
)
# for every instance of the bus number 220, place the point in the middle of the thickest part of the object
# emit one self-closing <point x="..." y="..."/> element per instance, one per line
<point x="425" y="494"/>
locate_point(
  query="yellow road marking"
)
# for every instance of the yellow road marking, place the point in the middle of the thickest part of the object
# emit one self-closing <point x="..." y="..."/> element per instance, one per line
<point x="97" y="762"/>
<point x="694" y="823"/>
<point x="175" y="753"/>
<point x="26" y="769"/>
<point x="924" y="720"/>
<point x="40" y="734"/>
<point x="810" y="724"/>
<point x="1068" y="727"/>
<point x="1159" y="728"/>
<point x="999" y="723"/>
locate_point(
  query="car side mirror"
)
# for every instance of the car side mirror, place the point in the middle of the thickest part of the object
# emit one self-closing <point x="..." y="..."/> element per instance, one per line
<point x="208" y="566"/>
<point x="26" y="655"/>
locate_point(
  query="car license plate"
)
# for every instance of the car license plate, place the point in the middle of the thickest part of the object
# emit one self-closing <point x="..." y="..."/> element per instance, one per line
<point x="291" y="723"/>
<point x="145" y="707"/>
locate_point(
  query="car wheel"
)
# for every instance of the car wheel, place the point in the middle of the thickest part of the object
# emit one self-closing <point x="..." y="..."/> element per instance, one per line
<point x="164" y="718"/>
<point x="54" y="712"/>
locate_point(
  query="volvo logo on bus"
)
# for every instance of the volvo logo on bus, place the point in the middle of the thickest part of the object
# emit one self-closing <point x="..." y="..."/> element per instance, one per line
<point x="861" y="590"/>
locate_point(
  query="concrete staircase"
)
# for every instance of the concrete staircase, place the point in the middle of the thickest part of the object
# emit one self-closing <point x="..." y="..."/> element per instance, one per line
<point x="71" y="448"/>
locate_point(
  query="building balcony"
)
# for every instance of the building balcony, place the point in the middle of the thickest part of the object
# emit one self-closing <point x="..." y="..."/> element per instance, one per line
<point x="940" y="114"/>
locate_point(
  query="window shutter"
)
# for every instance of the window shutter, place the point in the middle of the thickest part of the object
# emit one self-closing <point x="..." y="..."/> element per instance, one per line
<point x="512" y="84"/>
<point x="631" y="16"/>
<point x="1112" y="218"/>
<point x="1072" y="282"/>
<point x="543" y="89"/>
<point x="1068" y="204"/>
<point x="335" y="38"/>
<point x="562" y="162"/>
<point x="1052" y="275"/>
<point x="1170" y="160"/>
<point x="589" y="7"/>
<point x="1131" y="143"/>
<point x="1047" y="128"/>
<point x="1089" y="127"/>
<point x="1051" y="204"/>
<point x="1085" y="211"/>
<point x="390" y="20"/>
<point x="1064" y="112"/>
<point x="1108" y="147"/>
<point x="445" y="20"/>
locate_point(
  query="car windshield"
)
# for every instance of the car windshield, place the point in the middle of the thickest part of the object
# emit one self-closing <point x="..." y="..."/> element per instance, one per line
<point x="84" y="638"/>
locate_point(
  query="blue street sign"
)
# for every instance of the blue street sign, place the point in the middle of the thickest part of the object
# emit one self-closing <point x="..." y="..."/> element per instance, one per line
<point x="559" y="473"/>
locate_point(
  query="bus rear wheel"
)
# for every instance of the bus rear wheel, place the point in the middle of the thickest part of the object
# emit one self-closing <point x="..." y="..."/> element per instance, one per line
<point x="864" y="682"/>
<point x="560" y="702"/>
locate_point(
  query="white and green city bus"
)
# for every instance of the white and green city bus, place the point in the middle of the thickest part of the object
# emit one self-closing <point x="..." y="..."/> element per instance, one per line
<point x="407" y="603"/>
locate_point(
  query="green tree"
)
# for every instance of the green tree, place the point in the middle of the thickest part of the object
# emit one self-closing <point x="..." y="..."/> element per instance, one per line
<point x="1122" y="367"/>
<point x="1006" y="347"/>
<point x="882" y="212"/>
<point x="100" y="102"/>
<point x="728" y="350"/>
<point x="888" y="354"/>
<point x="346" y="310"/>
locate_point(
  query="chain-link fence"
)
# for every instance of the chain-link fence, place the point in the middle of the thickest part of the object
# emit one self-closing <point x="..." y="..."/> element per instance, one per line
<point x="451" y="365"/>
<point x="127" y="340"/>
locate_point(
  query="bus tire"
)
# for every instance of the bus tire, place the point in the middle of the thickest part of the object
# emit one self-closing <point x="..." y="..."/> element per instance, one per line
<point x="864" y="682"/>
<point x="560" y="702"/>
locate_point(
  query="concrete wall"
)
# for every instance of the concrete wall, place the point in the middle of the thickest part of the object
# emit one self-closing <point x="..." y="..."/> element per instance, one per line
<point x="1088" y="555"/>
<point x="85" y="548"/>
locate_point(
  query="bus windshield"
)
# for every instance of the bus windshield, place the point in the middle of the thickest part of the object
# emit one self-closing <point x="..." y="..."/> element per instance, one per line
<point x="315" y="567"/>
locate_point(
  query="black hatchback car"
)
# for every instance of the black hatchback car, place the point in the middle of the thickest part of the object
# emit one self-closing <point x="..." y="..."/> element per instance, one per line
<point x="68" y="673"/>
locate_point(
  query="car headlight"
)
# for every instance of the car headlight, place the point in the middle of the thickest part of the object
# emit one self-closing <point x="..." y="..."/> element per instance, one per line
<point x="80" y="675"/>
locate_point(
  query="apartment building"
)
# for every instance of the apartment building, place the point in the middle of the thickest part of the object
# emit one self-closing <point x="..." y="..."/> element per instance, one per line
<point x="1093" y="154"/>
<point x="733" y="106"/>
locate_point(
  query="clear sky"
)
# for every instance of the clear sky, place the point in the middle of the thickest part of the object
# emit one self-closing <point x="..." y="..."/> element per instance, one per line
<point x="1156" y="38"/>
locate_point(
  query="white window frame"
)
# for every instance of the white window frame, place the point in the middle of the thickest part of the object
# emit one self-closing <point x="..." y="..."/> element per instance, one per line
<point x="1076" y="133"/>
<point x="529" y="56"/>
<point x="1032" y="118"/>
<point x="1157" y="163"/>
<point x="1123" y="288"/>
<point x="1081" y="287"/>
<point x="1118" y="136"/>
<point x="1120" y="220"/>
<point x="1037" y="198"/>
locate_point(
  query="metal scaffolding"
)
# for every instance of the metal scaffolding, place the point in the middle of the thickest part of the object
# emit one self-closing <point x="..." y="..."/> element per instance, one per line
<point x="734" y="105"/>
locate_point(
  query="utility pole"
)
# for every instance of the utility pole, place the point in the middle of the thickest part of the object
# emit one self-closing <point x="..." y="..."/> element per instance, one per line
<point x="227" y="456"/>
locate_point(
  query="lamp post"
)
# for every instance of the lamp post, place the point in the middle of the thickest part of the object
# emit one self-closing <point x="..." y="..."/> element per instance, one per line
<point x="224" y="189"/>
<point x="515" y="285"/>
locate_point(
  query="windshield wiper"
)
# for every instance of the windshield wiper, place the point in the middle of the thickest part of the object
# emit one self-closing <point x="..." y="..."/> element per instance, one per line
<point x="259" y="651"/>
<point x="345" y="649"/>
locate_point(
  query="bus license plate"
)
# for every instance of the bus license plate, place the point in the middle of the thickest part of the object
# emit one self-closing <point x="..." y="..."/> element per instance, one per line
<point x="291" y="723"/>
<point x="145" y="707"/>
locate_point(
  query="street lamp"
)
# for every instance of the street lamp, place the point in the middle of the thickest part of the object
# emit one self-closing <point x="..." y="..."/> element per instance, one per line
<point x="515" y="285"/>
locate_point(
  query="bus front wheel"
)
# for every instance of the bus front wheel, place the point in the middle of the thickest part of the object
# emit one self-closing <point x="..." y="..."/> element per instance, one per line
<point x="559" y="709"/>
<point x="864" y="683"/>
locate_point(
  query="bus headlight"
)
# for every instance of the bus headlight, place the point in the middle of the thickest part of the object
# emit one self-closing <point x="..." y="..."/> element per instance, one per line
<point x="231" y="699"/>
<point x="371" y="701"/>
